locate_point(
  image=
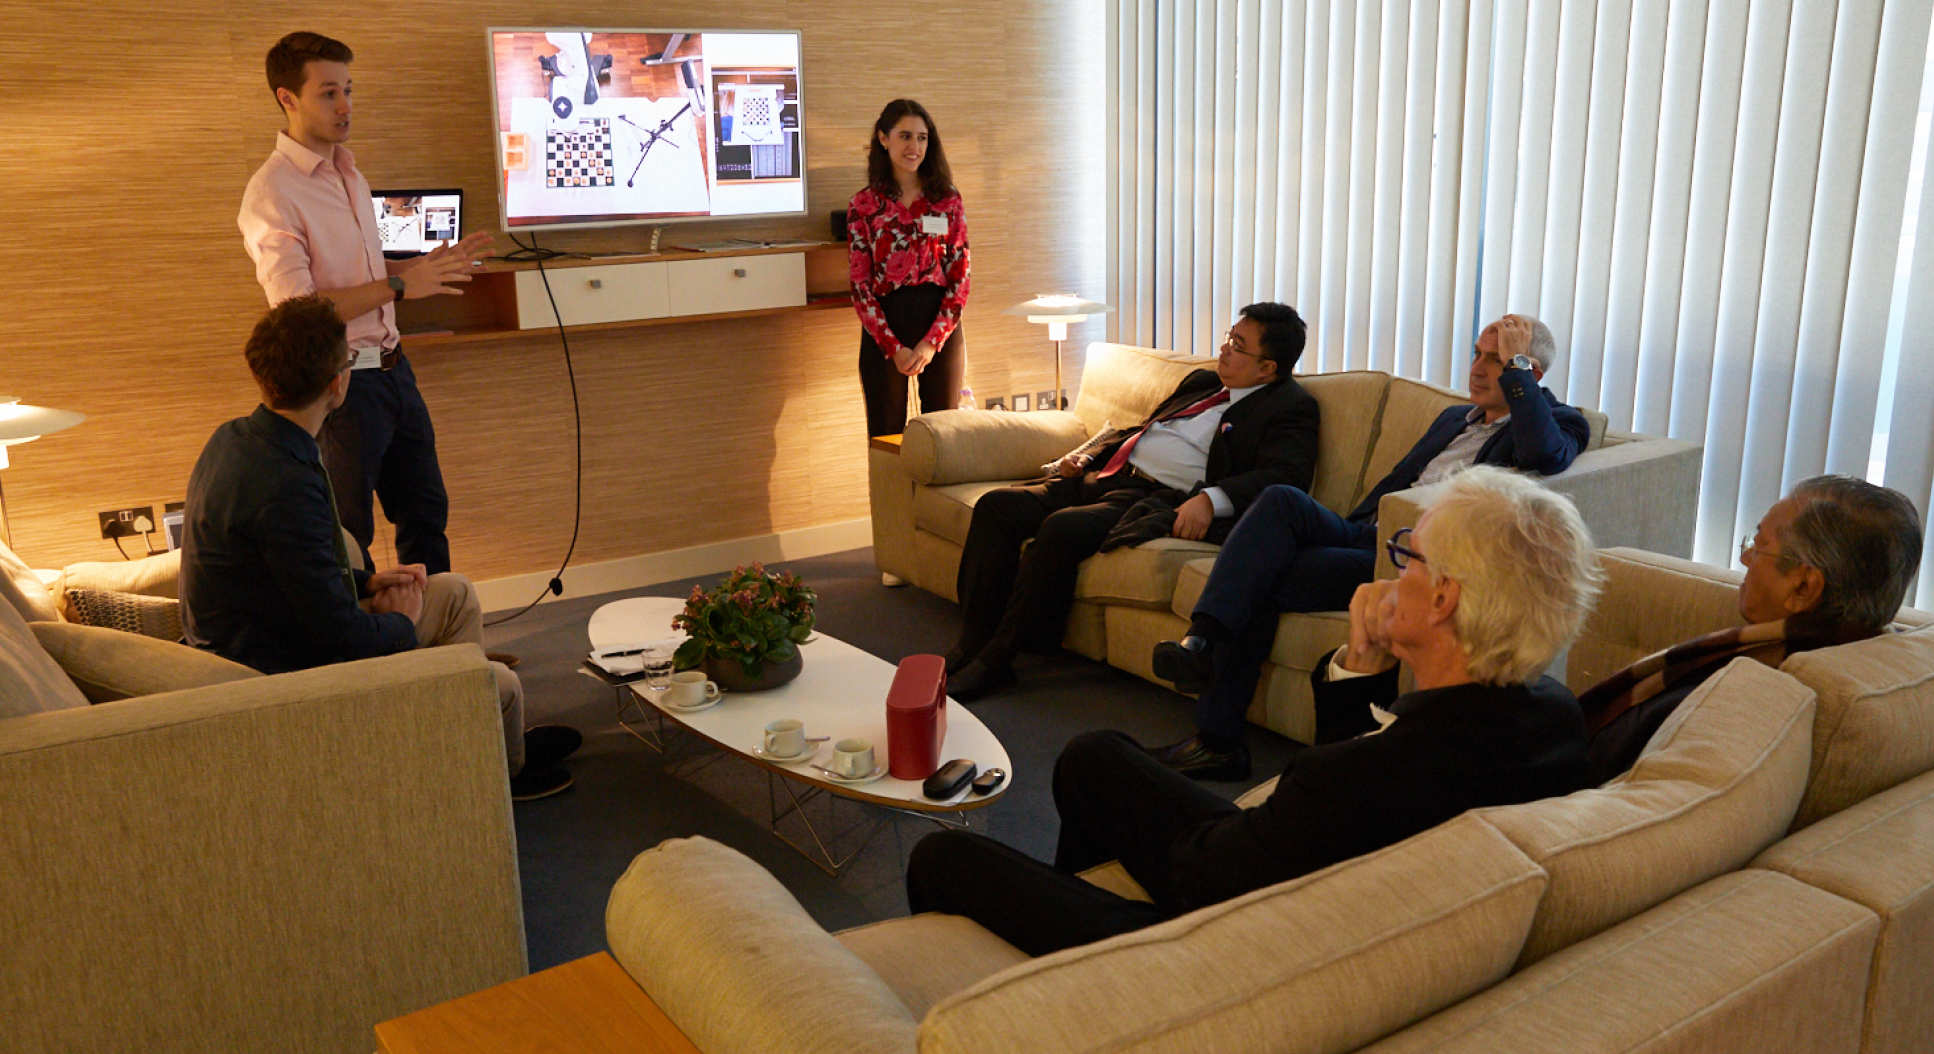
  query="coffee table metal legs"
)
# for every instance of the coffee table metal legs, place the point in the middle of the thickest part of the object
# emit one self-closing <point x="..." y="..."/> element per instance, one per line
<point x="824" y="850"/>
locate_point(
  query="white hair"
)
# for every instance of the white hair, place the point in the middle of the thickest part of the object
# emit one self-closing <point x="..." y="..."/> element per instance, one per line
<point x="1525" y="567"/>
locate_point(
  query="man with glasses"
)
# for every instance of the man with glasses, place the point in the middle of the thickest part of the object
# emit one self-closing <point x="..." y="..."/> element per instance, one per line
<point x="266" y="576"/>
<point x="1289" y="553"/>
<point x="1497" y="579"/>
<point x="1830" y="563"/>
<point x="1188" y="471"/>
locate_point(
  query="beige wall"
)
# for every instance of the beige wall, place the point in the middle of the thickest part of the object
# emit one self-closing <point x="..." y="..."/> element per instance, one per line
<point x="133" y="127"/>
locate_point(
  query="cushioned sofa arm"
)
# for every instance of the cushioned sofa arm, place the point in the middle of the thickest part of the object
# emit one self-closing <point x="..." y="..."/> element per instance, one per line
<point x="1636" y="491"/>
<point x="312" y="853"/>
<point x="960" y="446"/>
<point x="738" y="965"/>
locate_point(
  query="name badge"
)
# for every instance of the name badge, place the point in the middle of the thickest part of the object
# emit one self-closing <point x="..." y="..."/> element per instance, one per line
<point x="933" y="225"/>
<point x="368" y="357"/>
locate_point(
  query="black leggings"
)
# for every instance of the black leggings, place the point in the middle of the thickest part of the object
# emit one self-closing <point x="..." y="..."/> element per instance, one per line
<point x="909" y="313"/>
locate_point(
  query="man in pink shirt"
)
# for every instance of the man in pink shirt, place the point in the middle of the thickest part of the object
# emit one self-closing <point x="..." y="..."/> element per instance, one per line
<point x="308" y="222"/>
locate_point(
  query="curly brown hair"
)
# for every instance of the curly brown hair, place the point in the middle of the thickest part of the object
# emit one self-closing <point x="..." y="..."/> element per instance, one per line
<point x="296" y="350"/>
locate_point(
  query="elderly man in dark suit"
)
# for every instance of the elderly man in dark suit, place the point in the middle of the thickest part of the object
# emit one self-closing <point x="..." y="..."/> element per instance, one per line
<point x="1205" y="453"/>
<point x="1496" y="579"/>
<point x="1292" y="554"/>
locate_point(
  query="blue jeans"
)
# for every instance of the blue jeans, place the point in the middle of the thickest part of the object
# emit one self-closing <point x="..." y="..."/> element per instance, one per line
<point x="1287" y="553"/>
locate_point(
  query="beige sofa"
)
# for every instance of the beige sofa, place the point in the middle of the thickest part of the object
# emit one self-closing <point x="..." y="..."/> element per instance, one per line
<point x="248" y="862"/>
<point x="1762" y="880"/>
<point x="1633" y="490"/>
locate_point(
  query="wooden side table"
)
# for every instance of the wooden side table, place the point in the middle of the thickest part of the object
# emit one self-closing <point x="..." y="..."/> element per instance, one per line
<point x="586" y="1006"/>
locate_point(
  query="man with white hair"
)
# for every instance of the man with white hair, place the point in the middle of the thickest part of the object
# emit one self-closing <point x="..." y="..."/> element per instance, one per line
<point x="1289" y="553"/>
<point x="1496" y="579"/>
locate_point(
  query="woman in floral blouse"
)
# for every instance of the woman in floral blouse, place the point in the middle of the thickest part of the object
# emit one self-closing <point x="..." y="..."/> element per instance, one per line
<point x="910" y="267"/>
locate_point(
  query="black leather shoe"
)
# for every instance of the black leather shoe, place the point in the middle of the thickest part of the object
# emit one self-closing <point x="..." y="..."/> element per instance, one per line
<point x="1199" y="761"/>
<point x="977" y="679"/>
<point x="546" y="745"/>
<point x="541" y="782"/>
<point x="957" y="657"/>
<point x="1188" y="663"/>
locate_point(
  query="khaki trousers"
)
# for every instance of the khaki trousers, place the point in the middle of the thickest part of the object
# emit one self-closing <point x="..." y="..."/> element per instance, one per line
<point x="453" y="615"/>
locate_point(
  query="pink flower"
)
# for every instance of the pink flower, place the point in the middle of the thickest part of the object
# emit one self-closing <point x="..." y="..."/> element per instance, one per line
<point x="863" y="204"/>
<point x="900" y="267"/>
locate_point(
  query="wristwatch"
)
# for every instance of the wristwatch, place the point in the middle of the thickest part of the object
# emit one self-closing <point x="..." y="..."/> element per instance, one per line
<point x="396" y="286"/>
<point x="1518" y="362"/>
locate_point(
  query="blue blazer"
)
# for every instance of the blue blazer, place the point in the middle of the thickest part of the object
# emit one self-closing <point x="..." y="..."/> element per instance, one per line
<point x="1543" y="437"/>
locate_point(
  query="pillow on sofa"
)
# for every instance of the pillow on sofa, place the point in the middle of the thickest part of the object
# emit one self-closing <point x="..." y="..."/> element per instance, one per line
<point x="158" y="617"/>
<point x="21" y="587"/>
<point x="30" y="681"/>
<point x="1326" y="962"/>
<point x="1875" y="723"/>
<point x="154" y="576"/>
<point x="1719" y="782"/>
<point x="109" y="664"/>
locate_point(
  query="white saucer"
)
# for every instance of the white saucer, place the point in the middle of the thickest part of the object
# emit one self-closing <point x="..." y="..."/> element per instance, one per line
<point x="706" y="705"/>
<point x="852" y="781"/>
<point x="811" y="751"/>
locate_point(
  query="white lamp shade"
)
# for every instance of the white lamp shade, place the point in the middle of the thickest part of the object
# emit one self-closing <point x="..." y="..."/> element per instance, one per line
<point x="1058" y="307"/>
<point x="20" y="423"/>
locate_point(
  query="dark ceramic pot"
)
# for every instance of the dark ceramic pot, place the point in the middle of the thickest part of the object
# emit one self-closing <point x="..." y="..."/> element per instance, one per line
<point x="731" y="676"/>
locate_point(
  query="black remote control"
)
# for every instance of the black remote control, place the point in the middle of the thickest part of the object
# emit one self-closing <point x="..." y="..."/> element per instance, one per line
<point x="947" y="782"/>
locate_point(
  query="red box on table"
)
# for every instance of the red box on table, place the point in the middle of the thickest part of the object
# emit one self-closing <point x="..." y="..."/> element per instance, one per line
<point x="916" y="717"/>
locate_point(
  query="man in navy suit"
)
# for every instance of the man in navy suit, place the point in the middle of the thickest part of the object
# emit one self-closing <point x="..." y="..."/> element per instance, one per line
<point x="1289" y="553"/>
<point x="1188" y="471"/>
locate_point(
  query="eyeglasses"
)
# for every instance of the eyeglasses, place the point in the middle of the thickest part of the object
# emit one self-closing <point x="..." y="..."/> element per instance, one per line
<point x="1401" y="554"/>
<point x="1229" y="341"/>
<point x="1748" y="552"/>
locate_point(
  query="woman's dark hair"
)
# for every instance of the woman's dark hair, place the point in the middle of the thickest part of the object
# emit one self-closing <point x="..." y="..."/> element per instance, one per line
<point x="936" y="177"/>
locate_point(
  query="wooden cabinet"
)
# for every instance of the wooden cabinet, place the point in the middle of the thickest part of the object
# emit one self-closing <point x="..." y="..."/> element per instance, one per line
<point x="504" y="299"/>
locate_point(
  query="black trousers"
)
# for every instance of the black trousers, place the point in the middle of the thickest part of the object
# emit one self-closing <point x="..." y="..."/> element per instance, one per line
<point x="1116" y="803"/>
<point x="909" y="313"/>
<point x="1010" y="598"/>
<point x="380" y="440"/>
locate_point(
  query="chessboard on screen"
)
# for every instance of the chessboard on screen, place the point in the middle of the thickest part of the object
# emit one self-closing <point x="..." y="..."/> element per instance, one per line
<point x="412" y="221"/>
<point x="602" y="127"/>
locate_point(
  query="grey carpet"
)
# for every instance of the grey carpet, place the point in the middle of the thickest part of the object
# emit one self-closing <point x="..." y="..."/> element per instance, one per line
<point x="627" y="797"/>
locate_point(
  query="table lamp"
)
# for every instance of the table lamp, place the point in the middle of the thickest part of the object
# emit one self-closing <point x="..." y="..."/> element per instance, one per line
<point x="20" y="423"/>
<point x="1057" y="310"/>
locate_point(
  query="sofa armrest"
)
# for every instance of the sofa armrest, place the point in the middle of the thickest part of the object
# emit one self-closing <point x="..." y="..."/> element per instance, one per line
<point x="1636" y="491"/>
<point x="960" y="446"/>
<point x="153" y="576"/>
<point x="738" y="965"/>
<point x="272" y="862"/>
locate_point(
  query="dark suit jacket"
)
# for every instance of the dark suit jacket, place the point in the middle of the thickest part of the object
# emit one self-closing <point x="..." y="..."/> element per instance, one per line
<point x="1268" y="437"/>
<point x="1450" y="749"/>
<point x="1543" y="437"/>
<point x="260" y="581"/>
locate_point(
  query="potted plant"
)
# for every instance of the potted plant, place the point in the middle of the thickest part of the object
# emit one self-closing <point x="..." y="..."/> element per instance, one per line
<point x="745" y="633"/>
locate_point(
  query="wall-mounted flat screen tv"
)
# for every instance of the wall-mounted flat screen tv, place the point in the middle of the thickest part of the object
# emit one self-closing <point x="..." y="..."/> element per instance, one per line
<point x="600" y="127"/>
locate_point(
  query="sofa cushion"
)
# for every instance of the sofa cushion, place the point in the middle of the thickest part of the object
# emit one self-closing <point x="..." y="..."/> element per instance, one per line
<point x="1352" y="407"/>
<point x="109" y="664"/>
<point x="1121" y="384"/>
<point x="1326" y="962"/>
<point x="1875" y="723"/>
<point x="158" y="617"/>
<point x="1719" y="782"/>
<point x="959" y="446"/>
<point x="1139" y="576"/>
<point x="905" y="953"/>
<point x="1408" y="410"/>
<point x="737" y="964"/>
<point x="947" y="511"/>
<point x="1749" y="961"/>
<point x="1880" y="853"/>
<point x="30" y="681"/>
<point x="21" y="587"/>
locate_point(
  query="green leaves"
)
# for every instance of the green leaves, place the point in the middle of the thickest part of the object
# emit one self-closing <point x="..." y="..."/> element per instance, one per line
<point x="753" y="616"/>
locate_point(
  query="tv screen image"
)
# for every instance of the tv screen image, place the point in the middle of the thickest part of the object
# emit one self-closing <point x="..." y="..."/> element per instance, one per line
<point x="598" y="127"/>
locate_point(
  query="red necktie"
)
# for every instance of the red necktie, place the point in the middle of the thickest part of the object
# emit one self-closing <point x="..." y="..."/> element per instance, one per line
<point x="1120" y="460"/>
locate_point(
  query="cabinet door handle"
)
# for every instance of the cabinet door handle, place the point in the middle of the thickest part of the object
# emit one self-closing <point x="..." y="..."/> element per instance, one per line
<point x="738" y="272"/>
<point x="596" y="283"/>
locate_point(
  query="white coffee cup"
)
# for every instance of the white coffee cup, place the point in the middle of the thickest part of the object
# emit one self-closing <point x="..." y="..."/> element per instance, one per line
<point x="690" y="688"/>
<point x="786" y="738"/>
<point x="852" y="758"/>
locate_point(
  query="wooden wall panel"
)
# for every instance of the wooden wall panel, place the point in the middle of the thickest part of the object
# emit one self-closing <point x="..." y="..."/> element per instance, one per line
<point x="128" y="293"/>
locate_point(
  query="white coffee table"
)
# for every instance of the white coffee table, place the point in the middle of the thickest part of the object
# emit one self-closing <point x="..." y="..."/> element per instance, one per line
<point x="840" y="693"/>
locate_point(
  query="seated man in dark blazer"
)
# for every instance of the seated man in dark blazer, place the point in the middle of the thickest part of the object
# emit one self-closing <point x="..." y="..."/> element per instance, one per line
<point x="266" y="578"/>
<point x="1829" y="563"/>
<point x="1190" y="470"/>
<point x="1497" y="579"/>
<point x="1290" y="553"/>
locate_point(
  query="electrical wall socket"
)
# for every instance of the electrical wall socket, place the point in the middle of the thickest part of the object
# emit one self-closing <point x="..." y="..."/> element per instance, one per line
<point x="128" y="522"/>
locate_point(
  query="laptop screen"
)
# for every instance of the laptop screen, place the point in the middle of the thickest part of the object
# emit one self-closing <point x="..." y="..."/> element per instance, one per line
<point x="416" y="221"/>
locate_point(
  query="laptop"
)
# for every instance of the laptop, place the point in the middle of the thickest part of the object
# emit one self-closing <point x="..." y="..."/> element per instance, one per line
<point x="411" y="221"/>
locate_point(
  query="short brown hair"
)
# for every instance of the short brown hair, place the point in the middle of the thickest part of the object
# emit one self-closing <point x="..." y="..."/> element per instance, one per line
<point x="292" y="54"/>
<point x="296" y="350"/>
